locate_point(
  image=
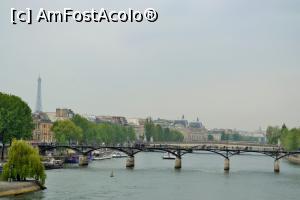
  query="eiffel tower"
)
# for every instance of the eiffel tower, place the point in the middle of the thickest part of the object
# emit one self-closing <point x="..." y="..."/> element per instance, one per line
<point x="38" y="107"/>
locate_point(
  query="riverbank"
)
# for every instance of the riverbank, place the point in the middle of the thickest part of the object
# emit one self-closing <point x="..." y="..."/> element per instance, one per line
<point x="294" y="159"/>
<point x="16" y="188"/>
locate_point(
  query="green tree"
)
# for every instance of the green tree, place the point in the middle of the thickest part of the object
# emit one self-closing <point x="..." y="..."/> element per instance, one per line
<point x="291" y="141"/>
<point x="210" y="137"/>
<point x="161" y="134"/>
<point x="15" y="119"/>
<point x="236" y="137"/>
<point x="23" y="162"/>
<point x="273" y="134"/>
<point x="157" y="133"/>
<point x="224" y="136"/>
<point x="86" y="127"/>
<point x="284" y="132"/>
<point x="149" y="128"/>
<point x="176" y="136"/>
<point x="284" y="127"/>
<point x="66" y="131"/>
<point x="93" y="133"/>
<point x="131" y="133"/>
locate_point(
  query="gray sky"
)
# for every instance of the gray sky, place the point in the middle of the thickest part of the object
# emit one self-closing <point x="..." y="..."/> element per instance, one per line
<point x="234" y="63"/>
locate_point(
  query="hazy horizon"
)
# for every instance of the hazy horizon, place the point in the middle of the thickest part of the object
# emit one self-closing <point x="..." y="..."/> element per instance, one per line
<point x="233" y="64"/>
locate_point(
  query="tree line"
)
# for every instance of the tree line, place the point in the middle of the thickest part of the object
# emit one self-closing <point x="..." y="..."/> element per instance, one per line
<point x="161" y="134"/>
<point x="15" y="120"/>
<point x="289" y="138"/>
<point x="238" y="137"/>
<point x="79" y="130"/>
<point x="16" y="123"/>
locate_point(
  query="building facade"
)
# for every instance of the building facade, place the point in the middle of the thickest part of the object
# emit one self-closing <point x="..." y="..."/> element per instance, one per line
<point x="64" y="113"/>
<point x="112" y="119"/>
<point x="60" y="114"/>
<point x="194" y="134"/>
<point x="42" y="128"/>
<point x="43" y="122"/>
<point x="138" y="126"/>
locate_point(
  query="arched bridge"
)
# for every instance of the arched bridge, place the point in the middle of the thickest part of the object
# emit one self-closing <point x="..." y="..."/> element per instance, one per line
<point x="178" y="151"/>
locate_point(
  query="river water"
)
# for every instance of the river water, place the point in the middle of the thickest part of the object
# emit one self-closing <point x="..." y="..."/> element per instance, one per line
<point x="201" y="177"/>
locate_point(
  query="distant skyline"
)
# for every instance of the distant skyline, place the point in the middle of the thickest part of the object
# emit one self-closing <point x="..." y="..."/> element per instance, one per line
<point x="233" y="64"/>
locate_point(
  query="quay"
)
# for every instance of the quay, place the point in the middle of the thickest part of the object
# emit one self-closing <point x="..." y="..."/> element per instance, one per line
<point x="17" y="188"/>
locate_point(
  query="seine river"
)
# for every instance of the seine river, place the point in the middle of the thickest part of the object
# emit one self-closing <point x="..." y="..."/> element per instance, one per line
<point x="201" y="177"/>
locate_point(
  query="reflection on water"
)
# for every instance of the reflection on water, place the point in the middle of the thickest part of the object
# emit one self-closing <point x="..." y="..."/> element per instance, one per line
<point x="201" y="177"/>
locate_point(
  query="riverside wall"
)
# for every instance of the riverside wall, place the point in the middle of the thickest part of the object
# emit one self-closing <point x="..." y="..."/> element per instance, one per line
<point x="294" y="159"/>
<point x="17" y="188"/>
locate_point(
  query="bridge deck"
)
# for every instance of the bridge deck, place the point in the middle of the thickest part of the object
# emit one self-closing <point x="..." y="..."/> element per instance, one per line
<point x="225" y="150"/>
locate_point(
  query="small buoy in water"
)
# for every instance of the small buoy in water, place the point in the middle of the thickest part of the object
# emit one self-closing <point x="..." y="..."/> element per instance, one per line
<point x="112" y="174"/>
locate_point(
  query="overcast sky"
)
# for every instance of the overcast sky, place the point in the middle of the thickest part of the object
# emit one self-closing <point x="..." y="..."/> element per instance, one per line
<point x="233" y="64"/>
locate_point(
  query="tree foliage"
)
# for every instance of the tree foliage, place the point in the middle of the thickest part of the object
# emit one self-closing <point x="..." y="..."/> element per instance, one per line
<point x="161" y="134"/>
<point x="210" y="137"/>
<point x="23" y="162"/>
<point x="66" y="131"/>
<point x="237" y="137"/>
<point x="91" y="133"/>
<point x="290" y="139"/>
<point x="15" y="119"/>
<point x="84" y="124"/>
<point x="273" y="134"/>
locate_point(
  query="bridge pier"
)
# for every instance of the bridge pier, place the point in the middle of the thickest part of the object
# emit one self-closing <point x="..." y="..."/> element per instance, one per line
<point x="177" y="163"/>
<point x="83" y="160"/>
<point x="130" y="162"/>
<point x="276" y="166"/>
<point x="226" y="165"/>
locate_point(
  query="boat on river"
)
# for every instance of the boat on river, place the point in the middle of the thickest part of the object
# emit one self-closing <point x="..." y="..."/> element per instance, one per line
<point x="53" y="164"/>
<point x="118" y="155"/>
<point x="97" y="155"/>
<point x="101" y="157"/>
<point x="74" y="159"/>
<point x="168" y="156"/>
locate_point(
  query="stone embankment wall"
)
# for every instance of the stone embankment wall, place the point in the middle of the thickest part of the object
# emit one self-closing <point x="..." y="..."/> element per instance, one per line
<point x="294" y="159"/>
<point x="16" y="188"/>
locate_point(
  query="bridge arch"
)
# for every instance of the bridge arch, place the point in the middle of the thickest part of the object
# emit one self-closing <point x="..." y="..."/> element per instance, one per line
<point x="287" y="154"/>
<point x="132" y="153"/>
<point x="47" y="148"/>
<point x="171" y="151"/>
<point x="276" y="155"/>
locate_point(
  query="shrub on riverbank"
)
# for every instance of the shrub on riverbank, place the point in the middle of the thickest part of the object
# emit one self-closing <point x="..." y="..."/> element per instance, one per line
<point x="23" y="162"/>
